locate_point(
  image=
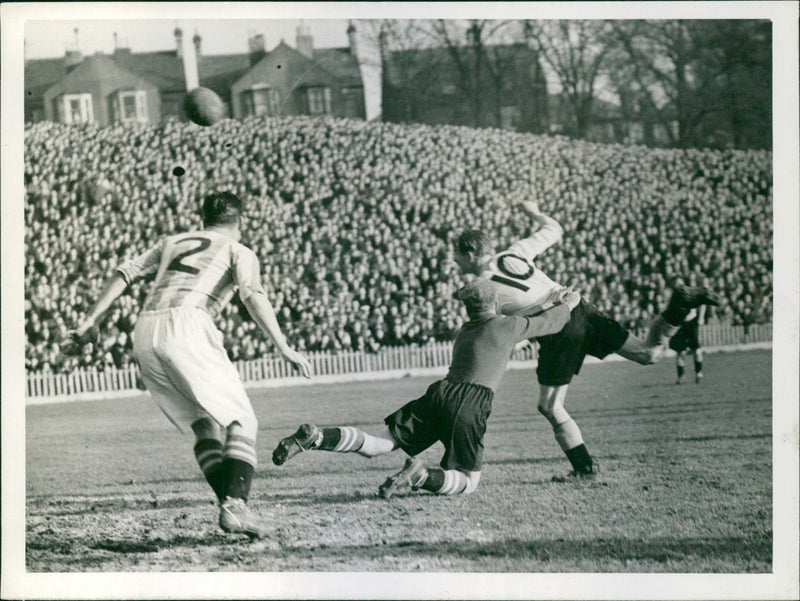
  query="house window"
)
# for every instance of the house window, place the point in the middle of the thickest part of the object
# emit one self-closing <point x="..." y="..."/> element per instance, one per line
<point x="319" y="100"/>
<point x="261" y="100"/>
<point x="76" y="108"/>
<point x="132" y="106"/>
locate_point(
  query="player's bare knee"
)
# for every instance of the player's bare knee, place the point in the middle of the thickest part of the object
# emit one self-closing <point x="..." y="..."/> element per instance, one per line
<point x="545" y="408"/>
<point x="206" y="428"/>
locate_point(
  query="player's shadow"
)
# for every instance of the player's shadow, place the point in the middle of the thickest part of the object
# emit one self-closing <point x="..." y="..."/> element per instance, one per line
<point x="115" y="505"/>
<point x="303" y="498"/>
<point x="125" y="546"/>
<point x="660" y="550"/>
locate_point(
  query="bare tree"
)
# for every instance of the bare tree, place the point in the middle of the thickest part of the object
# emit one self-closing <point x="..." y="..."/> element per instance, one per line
<point x="478" y="73"/>
<point x="478" y="59"/>
<point x="710" y="79"/>
<point x="575" y="52"/>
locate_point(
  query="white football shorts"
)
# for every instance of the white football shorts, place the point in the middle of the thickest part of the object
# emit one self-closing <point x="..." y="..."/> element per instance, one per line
<point x="187" y="371"/>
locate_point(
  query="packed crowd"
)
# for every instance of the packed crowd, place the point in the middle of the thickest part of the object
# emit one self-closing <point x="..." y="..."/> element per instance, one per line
<point x="353" y="223"/>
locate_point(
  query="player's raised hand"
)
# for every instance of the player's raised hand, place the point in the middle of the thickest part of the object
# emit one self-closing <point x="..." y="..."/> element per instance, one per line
<point x="298" y="361"/>
<point x="572" y="299"/>
<point x="75" y="340"/>
<point x="530" y="207"/>
<point x="556" y="296"/>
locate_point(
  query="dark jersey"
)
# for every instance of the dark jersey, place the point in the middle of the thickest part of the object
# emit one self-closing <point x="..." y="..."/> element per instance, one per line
<point x="483" y="347"/>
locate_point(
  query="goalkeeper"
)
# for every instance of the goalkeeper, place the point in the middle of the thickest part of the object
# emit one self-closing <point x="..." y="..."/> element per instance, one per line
<point x="453" y="410"/>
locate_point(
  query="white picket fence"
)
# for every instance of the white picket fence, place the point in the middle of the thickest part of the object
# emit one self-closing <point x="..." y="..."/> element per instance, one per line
<point x="45" y="385"/>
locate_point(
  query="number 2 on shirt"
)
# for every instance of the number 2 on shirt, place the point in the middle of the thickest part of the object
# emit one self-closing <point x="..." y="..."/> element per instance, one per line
<point x="177" y="263"/>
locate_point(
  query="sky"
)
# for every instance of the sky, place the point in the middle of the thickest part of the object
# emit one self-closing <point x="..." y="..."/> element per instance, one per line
<point x="50" y="39"/>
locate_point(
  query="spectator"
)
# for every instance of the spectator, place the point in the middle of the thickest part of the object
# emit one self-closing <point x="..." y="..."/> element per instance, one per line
<point x="352" y="220"/>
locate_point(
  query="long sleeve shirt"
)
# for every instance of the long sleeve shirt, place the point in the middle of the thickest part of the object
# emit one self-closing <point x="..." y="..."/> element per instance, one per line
<point x="521" y="286"/>
<point x="483" y="346"/>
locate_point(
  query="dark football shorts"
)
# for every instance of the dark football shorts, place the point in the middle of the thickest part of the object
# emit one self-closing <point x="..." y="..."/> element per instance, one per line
<point x="687" y="338"/>
<point x="588" y="332"/>
<point x="449" y="411"/>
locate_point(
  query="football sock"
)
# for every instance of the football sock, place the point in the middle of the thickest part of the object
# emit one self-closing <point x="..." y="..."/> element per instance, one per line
<point x="698" y="367"/>
<point x="376" y="445"/>
<point x="580" y="459"/>
<point x="239" y="477"/>
<point x="239" y="461"/>
<point x="208" y="453"/>
<point x="345" y="439"/>
<point x="444" y="482"/>
<point x="681" y="371"/>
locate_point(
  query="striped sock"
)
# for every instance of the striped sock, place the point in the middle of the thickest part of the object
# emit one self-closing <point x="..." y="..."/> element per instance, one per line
<point x="208" y="453"/>
<point x="444" y="482"/>
<point x="345" y="439"/>
<point x="239" y="461"/>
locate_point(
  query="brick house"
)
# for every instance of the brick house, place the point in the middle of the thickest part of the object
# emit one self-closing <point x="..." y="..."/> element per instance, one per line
<point x="149" y="86"/>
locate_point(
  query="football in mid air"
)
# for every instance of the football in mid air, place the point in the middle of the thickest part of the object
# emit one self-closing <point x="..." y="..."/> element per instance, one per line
<point x="204" y="107"/>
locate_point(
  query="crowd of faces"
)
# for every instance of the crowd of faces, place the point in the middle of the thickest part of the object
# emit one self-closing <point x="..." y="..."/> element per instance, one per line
<point x="353" y="223"/>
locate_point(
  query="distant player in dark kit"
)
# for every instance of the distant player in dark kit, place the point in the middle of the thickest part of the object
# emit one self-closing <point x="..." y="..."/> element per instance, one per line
<point x="453" y="410"/>
<point x="179" y="349"/>
<point x="523" y="289"/>
<point x="687" y="339"/>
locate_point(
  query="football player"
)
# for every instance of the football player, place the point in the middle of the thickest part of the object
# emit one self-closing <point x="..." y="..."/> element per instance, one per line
<point x="180" y="352"/>
<point x="523" y="289"/>
<point x="453" y="410"/>
<point x="686" y="339"/>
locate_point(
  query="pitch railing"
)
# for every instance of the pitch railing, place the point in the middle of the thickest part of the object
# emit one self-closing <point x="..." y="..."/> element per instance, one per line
<point x="46" y="385"/>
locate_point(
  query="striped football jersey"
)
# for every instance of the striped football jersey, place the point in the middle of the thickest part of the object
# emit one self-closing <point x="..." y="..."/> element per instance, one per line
<point x="195" y="269"/>
<point x="522" y="287"/>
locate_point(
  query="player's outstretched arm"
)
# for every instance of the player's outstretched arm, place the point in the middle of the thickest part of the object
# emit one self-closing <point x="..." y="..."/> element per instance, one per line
<point x="261" y="311"/>
<point x="548" y="232"/>
<point x="549" y="322"/>
<point x="553" y="319"/>
<point x="86" y="330"/>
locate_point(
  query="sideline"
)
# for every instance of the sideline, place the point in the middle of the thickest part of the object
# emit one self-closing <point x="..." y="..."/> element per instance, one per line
<point x="372" y="376"/>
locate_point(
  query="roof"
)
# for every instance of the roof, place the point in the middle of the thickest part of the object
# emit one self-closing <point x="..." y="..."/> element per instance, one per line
<point x="98" y="69"/>
<point x="163" y="68"/>
<point x="41" y="74"/>
<point x="219" y="72"/>
<point x="290" y="68"/>
<point x="341" y="63"/>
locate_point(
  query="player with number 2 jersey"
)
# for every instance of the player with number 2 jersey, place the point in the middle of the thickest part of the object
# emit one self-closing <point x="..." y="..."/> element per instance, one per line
<point x="180" y="351"/>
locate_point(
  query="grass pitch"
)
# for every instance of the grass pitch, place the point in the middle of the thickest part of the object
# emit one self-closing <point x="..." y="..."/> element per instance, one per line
<point x="687" y="483"/>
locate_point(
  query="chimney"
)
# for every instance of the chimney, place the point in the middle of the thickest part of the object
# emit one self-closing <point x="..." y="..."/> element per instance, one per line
<point x="120" y="46"/>
<point x="198" y="43"/>
<point x="179" y="41"/>
<point x="73" y="56"/>
<point x="305" y="43"/>
<point x="351" y="36"/>
<point x="256" y="48"/>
